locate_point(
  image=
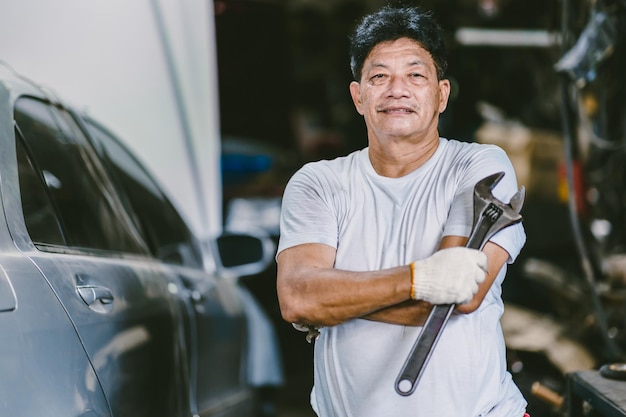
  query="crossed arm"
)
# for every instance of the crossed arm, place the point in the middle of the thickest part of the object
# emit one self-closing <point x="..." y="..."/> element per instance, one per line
<point x="312" y="292"/>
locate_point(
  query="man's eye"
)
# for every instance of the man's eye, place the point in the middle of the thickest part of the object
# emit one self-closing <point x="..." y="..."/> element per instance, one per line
<point x="377" y="78"/>
<point x="416" y="75"/>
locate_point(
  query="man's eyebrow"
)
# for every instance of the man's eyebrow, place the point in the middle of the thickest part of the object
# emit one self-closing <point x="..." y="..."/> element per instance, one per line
<point x="417" y="62"/>
<point x="379" y="65"/>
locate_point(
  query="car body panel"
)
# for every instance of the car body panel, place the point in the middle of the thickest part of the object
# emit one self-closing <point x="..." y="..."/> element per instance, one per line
<point x="39" y="347"/>
<point x="97" y="332"/>
<point x="132" y="339"/>
<point x="44" y="365"/>
<point x="215" y="315"/>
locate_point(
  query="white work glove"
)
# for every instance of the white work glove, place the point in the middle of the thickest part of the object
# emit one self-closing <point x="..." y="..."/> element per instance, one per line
<point x="449" y="276"/>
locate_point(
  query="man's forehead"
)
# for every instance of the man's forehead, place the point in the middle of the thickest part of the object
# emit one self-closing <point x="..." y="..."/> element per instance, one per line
<point x="414" y="52"/>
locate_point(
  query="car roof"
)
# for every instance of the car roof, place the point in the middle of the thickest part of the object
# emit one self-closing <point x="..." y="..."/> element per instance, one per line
<point x="16" y="84"/>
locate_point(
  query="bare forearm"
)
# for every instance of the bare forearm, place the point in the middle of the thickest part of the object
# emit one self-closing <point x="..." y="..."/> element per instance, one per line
<point x="325" y="296"/>
<point x="312" y="292"/>
<point x="408" y="313"/>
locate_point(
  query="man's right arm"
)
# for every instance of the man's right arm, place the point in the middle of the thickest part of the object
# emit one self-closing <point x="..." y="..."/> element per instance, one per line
<point x="312" y="292"/>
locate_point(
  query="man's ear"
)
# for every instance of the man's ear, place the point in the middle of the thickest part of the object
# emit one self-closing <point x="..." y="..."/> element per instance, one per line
<point x="444" y="94"/>
<point x="355" y="92"/>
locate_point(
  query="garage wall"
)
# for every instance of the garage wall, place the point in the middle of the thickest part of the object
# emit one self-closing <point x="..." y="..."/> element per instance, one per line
<point x="144" y="68"/>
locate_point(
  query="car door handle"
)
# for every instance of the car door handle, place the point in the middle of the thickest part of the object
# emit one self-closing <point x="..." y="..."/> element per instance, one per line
<point x="92" y="293"/>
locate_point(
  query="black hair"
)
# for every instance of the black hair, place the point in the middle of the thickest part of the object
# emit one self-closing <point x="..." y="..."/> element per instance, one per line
<point x="392" y="23"/>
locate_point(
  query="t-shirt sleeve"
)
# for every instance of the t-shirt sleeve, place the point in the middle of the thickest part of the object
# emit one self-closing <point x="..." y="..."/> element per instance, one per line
<point x="488" y="161"/>
<point x="306" y="213"/>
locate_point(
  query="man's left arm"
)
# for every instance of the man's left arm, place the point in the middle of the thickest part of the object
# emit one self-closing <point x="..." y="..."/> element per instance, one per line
<point x="414" y="313"/>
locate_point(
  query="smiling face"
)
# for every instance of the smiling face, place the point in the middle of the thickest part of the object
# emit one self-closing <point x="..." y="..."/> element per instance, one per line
<point x="399" y="94"/>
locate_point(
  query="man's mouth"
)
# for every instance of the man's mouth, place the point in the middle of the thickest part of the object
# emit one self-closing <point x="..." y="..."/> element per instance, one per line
<point x="396" y="110"/>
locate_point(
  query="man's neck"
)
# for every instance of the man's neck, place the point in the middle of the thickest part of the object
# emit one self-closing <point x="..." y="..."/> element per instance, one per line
<point x="399" y="158"/>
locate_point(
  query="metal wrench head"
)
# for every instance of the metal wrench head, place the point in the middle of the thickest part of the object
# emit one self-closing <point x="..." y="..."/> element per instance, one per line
<point x="518" y="199"/>
<point x="508" y="213"/>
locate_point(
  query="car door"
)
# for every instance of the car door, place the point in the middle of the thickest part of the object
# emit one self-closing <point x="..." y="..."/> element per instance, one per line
<point x="44" y="369"/>
<point x="216" y="322"/>
<point x="76" y="232"/>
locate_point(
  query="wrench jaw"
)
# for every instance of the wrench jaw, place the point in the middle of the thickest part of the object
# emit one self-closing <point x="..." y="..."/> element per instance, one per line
<point x="484" y="187"/>
<point x="518" y="200"/>
<point x="483" y="196"/>
<point x="485" y="204"/>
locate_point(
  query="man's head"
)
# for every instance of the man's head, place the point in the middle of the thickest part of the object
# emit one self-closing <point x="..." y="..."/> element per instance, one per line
<point x="398" y="59"/>
<point x="392" y="23"/>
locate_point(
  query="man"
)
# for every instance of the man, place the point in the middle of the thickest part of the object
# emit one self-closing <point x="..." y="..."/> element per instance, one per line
<point x="371" y="240"/>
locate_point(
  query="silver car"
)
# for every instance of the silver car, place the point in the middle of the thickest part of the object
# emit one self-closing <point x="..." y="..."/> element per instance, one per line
<point x="108" y="304"/>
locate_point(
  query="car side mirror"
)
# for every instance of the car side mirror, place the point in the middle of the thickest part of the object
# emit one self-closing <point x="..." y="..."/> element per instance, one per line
<point x="242" y="254"/>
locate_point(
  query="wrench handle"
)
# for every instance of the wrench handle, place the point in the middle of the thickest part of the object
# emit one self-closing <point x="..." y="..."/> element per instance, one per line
<point x="420" y="353"/>
<point x="488" y="220"/>
<point x="438" y="317"/>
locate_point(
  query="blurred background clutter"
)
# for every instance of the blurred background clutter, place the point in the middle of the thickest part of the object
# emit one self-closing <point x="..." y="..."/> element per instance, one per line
<point x="541" y="79"/>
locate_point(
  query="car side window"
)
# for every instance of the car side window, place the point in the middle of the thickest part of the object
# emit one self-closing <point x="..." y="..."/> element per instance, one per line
<point x="88" y="213"/>
<point x="41" y="221"/>
<point x="162" y="227"/>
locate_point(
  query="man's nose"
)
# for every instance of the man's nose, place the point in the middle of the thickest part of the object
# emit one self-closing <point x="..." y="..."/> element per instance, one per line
<point x="398" y="87"/>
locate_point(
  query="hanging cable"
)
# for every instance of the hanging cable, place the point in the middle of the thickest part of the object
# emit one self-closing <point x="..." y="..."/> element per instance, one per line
<point x="590" y="267"/>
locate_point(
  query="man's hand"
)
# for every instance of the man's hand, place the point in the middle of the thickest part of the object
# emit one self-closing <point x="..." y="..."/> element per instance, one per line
<point x="449" y="276"/>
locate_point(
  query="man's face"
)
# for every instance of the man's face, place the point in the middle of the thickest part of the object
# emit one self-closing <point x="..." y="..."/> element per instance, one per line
<point x="399" y="94"/>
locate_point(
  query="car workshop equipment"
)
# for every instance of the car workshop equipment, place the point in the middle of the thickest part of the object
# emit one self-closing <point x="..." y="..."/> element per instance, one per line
<point x="588" y="391"/>
<point x="490" y="216"/>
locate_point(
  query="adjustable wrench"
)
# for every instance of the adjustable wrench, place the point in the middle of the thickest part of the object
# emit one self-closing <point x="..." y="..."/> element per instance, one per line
<point x="490" y="216"/>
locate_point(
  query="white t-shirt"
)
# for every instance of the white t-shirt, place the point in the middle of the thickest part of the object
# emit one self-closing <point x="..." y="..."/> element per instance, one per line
<point x="377" y="222"/>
